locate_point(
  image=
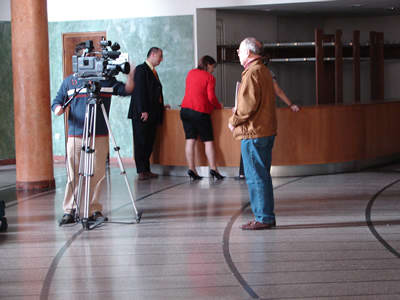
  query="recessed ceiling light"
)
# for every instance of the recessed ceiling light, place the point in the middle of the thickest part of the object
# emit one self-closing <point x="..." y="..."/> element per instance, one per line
<point x="356" y="5"/>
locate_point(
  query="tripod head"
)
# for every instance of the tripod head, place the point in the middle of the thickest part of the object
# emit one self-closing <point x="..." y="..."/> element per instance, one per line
<point x="93" y="88"/>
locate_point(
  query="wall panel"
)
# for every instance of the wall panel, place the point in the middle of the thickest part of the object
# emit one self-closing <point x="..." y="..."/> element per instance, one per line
<point x="173" y="34"/>
<point x="7" y="147"/>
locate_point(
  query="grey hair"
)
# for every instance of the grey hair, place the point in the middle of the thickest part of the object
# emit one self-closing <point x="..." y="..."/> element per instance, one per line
<point x="252" y="45"/>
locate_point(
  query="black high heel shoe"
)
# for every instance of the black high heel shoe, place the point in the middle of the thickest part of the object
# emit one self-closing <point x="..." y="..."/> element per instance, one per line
<point x="193" y="175"/>
<point x="215" y="174"/>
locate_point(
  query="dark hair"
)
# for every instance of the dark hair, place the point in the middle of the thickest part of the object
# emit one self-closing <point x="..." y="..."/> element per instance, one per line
<point x="205" y="61"/>
<point x="79" y="47"/>
<point x="153" y="50"/>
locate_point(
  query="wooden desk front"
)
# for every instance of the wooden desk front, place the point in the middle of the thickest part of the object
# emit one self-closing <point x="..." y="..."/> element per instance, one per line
<point x="316" y="135"/>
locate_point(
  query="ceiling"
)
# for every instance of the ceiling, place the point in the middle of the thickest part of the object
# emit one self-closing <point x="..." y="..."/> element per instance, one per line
<point x="330" y="8"/>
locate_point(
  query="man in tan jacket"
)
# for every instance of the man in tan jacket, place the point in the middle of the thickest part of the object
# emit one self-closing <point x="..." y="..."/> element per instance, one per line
<point x="254" y="122"/>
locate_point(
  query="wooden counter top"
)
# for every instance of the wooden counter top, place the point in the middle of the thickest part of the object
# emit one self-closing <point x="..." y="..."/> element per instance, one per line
<point x="315" y="135"/>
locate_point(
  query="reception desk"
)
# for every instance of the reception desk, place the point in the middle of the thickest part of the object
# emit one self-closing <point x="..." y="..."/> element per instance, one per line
<point x="318" y="139"/>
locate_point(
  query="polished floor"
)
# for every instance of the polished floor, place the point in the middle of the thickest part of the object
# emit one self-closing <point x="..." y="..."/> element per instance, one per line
<point x="337" y="237"/>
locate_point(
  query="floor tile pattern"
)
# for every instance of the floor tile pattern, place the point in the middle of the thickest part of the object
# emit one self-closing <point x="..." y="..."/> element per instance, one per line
<point x="337" y="237"/>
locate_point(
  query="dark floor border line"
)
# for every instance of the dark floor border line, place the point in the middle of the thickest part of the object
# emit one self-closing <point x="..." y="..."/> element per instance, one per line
<point x="225" y="245"/>
<point x="330" y="297"/>
<point x="7" y="187"/>
<point x="29" y="197"/>
<point x="143" y="197"/>
<point x="44" y="292"/>
<point x="388" y="171"/>
<point x="371" y="225"/>
<point x="338" y="225"/>
<point x="228" y="257"/>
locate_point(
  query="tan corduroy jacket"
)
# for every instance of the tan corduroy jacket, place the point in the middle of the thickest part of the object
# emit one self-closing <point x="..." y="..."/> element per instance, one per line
<point x="255" y="115"/>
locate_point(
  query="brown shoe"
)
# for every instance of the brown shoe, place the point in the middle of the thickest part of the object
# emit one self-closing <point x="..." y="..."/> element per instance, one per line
<point x="254" y="225"/>
<point x="152" y="175"/>
<point x="143" y="176"/>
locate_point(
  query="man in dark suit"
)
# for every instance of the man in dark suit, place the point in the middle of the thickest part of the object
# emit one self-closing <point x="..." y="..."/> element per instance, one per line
<point x="146" y="111"/>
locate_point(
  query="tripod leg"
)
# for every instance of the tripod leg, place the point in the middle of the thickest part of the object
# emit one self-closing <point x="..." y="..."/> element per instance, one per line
<point x="121" y="166"/>
<point x="81" y="169"/>
<point x="80" y="182"/>
<point x="88" y="160"/>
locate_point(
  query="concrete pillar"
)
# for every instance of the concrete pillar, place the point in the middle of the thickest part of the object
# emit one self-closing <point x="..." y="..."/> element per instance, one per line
<point x="31" y="84"/>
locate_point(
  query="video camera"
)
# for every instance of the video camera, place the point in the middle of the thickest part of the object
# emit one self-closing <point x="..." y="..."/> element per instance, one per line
<point x="96" y="66"/>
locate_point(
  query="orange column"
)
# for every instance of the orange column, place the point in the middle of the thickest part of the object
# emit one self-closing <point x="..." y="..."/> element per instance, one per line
<point x="31" y="83"/>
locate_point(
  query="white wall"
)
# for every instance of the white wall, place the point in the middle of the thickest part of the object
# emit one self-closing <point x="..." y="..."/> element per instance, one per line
<point x="105" y="9"/>
<point x="5" y="11"/>
<point x="205" y="33"/>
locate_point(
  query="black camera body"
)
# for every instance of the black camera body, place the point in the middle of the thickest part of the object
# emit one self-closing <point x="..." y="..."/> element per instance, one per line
<point x="96" y="66"/>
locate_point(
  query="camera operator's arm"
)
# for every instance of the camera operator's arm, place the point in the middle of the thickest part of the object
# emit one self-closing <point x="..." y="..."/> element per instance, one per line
<point x="61" y="97"/>
<point x="120" y="88"/>
<point x="130" y="83"/>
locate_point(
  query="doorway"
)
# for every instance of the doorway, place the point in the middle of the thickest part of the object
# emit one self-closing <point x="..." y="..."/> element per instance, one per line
<point x="70" y="40"/>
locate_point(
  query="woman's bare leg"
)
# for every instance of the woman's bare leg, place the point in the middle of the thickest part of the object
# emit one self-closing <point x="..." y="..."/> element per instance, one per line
<point x="189" y="151"/>
<point x="210" y="153"/>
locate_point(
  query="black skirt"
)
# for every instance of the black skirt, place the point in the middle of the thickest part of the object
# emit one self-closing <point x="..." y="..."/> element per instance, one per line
<point x="197" y="124"/>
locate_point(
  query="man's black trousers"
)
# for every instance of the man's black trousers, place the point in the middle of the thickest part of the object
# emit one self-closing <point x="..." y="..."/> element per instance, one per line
<point x="144" y="134"/>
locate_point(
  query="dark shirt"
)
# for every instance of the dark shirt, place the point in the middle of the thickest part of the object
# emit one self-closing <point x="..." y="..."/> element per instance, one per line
<point x="76" y="116"/>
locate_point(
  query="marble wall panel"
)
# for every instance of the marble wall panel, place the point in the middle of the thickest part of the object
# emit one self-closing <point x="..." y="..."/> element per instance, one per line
<point x="7" y="142"/>
<point x="174" y="34"/>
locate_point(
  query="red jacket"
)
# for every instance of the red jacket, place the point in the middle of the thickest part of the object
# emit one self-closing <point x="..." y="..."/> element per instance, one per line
<point x="200" y="92"/>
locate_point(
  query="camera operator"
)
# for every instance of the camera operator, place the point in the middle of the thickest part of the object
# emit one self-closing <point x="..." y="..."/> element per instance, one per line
<point x="76" y="117"/>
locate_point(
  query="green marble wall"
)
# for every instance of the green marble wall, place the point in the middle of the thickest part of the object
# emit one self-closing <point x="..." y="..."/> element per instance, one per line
<point x="7" y="142"/>
<point x="173" y="34"/>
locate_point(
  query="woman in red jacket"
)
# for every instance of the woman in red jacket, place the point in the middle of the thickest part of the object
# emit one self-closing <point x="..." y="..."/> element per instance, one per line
<point x="197" y="105"/>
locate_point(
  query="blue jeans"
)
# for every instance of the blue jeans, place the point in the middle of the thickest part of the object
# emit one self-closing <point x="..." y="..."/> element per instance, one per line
<point x="257" y="154"/>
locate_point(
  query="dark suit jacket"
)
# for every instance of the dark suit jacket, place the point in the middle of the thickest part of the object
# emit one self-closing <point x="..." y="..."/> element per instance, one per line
<point x="146" y="95"/>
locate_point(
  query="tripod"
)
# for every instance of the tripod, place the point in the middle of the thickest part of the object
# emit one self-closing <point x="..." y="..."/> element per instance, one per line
<point x="86" y="162"/>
